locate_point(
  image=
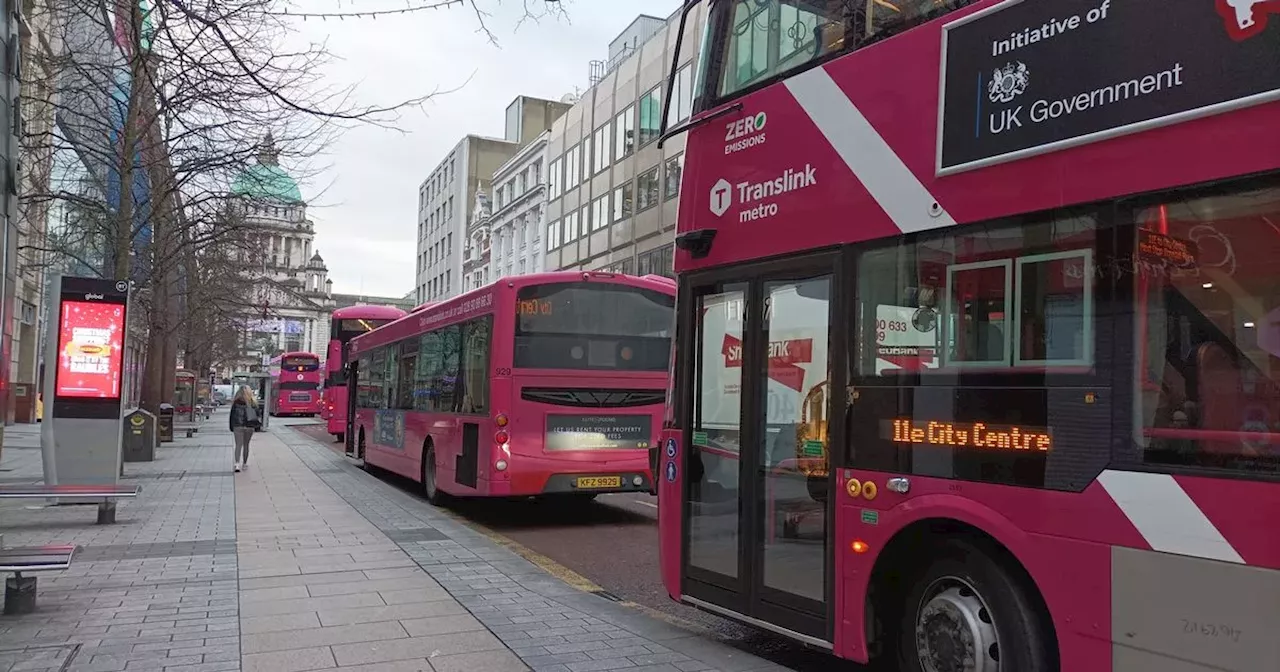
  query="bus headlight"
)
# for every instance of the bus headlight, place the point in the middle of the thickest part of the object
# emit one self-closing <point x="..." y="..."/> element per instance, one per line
<point x="637" y="481"/>
<point x="500" y="465"/>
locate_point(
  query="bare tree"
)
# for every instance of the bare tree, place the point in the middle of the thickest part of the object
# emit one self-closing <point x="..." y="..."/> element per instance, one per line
<point x="162" y="106"/>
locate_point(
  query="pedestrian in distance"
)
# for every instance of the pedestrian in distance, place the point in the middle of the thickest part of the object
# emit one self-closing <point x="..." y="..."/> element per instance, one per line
<point x="244" y="422"/>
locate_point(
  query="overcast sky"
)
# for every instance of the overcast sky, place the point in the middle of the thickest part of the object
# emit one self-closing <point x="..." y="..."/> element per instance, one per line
<point x="365" y="202"/>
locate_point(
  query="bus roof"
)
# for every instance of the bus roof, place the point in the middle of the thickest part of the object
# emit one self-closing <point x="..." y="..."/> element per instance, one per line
<point x="368" y="312"/>
<point x="462" y="309"/>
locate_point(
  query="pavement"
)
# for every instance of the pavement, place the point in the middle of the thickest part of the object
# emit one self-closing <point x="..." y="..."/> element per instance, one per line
<point x="304" y="562"/>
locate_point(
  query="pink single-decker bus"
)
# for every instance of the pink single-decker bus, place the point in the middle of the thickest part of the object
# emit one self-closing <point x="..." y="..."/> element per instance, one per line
<point x="540" y="385"/>
<point x="347" y="323"/>
<point x="297" y="389"/>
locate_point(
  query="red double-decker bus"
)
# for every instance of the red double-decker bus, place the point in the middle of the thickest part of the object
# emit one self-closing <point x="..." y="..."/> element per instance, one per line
<point x="978" y="345"/>
<point x="346" y="324"/>
<point x="298" y="381"/>
<point x="551" y="384"/>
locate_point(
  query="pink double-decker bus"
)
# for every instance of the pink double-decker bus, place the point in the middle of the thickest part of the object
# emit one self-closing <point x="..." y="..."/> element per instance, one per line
<point x="346" y="324"/>
<point x="538" y="385"/>
<point x="298" y="380"/>
<point x="978" y="345"/>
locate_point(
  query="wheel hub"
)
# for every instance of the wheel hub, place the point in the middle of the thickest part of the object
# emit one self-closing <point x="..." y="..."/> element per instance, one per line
<point x="955" y="632"/>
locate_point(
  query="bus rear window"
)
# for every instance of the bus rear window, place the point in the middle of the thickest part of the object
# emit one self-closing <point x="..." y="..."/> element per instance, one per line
<point x="590" y="325"/>
<point x="300" y="364"/>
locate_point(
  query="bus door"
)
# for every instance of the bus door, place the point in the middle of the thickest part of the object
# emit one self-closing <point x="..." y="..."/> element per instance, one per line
<point x="352" y="390"/>
<point x="757" y="518"/>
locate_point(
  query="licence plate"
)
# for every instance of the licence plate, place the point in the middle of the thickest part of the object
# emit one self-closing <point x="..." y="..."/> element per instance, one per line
<point x="600" y="482"/>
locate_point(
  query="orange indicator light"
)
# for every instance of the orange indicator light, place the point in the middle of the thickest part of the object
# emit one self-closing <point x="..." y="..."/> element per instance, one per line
<point x="859" y="546"/>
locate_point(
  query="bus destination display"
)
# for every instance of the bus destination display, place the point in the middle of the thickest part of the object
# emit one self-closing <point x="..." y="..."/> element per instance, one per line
<point x="90" y="350"/>
<point x="969" y="435"/>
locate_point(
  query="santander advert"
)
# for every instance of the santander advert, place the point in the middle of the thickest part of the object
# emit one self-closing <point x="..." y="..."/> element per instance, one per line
<point x="90" y="350"/>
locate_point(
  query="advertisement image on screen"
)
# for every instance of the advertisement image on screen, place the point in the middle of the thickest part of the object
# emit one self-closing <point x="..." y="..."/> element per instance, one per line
<point x="90" y="350"/>
<point x="598" y="432"/>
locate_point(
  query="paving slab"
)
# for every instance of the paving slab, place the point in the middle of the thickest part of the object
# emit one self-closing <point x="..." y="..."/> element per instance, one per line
<point x="303" y="562"/>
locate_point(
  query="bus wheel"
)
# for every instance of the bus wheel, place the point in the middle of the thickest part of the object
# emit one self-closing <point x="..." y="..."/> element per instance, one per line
<point x="965" y="612"/>
<point x="429" y="488"/>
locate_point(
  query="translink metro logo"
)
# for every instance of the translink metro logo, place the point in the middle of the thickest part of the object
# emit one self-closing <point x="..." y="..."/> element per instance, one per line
<point x="721" y="197"/>
<point x="791" y="179"/>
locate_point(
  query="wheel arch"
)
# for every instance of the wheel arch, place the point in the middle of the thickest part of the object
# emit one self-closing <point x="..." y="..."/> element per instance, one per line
<point x="906" y="551"/>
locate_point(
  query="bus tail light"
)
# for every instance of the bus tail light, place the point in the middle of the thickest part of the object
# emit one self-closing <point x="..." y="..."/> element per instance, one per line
<point x="500" y="465"/>
<point x="500" y="420"/>
<point x="501" y="438"/>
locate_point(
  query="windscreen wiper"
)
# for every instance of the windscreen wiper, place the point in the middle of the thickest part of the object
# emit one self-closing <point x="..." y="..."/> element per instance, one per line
<point x="665" y="133"/>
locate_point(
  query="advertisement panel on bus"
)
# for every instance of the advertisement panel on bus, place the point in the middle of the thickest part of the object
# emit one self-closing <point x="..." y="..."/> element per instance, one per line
<point x="541" y="385"/>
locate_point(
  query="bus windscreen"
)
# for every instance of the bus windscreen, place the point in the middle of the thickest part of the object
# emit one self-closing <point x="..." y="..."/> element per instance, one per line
<point x="593" y="326"/>
<point x="353" y="328"/>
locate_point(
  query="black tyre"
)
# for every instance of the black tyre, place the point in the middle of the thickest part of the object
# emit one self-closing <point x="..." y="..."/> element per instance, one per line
<point x="965" y="612"/>
<point x="430" y="488"/>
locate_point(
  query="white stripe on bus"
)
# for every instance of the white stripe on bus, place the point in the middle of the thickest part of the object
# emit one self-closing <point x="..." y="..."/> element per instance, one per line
<point x="875" y="164"/>
<point x="1166" y="516"/>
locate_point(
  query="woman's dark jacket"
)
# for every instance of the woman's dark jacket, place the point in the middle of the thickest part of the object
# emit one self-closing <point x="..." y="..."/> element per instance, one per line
<point x="239" y="414"/>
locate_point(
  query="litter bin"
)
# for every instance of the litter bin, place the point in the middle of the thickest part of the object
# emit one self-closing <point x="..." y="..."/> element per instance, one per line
<point x="164" y="422"/>
<point x="139" y="437"/>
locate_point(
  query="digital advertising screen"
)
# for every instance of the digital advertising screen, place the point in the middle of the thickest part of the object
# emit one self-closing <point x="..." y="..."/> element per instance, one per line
<point x="90" y="350"/>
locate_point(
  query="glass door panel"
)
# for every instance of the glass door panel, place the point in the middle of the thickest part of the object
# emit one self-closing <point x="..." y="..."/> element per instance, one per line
<point x="792" y="465"/>
<point x="715" y="445"/>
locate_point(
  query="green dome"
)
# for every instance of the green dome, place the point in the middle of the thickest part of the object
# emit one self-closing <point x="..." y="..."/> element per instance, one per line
<point x="266" y="180"/>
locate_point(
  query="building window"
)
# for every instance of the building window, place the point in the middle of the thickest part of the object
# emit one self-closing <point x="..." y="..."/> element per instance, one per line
<point x="553" y="236"/>
<point x="622" y="202"/>
<point x="647" y="189"/>
<point x="650" y="116"/>
<point x="624" y="132"/>
<point x="600" y="213"/>
<point x="673" y="168"/>
<point x="601" y="149"/>
<point x="553" y="180"/>
<point x="657" y="262"/>
<point x="572" y="166"/>
<point x="570" y="227"/>
<point x="682" y="96"/>
<point x="535" y="172"/>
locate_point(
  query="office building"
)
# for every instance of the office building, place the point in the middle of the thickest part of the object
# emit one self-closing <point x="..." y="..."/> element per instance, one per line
<point x="517" y="219"/>
<point x="447" y="198"/>
<point x="612" y="194"/>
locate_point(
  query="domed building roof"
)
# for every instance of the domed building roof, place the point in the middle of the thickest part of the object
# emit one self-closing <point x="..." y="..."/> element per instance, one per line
<point x="266" y="180"/>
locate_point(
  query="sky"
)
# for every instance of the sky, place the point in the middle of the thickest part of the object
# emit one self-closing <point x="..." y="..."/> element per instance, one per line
<point x="363" y="196"/>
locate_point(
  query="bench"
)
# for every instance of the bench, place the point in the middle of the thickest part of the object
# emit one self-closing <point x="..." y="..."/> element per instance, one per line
<point x="107" y="493"/>
<point x="19" y="590"/>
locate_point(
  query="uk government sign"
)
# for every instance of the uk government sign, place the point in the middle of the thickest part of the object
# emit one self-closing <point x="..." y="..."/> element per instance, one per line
<point x="1026" y="77"/>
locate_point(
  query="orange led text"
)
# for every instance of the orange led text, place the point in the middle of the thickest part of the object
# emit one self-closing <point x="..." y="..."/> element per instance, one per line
<point x="975" y="435"/>
<point x="534" y="307"/>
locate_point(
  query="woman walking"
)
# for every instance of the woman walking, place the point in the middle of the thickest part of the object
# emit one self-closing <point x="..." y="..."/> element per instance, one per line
<point x="244" y="421"/>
